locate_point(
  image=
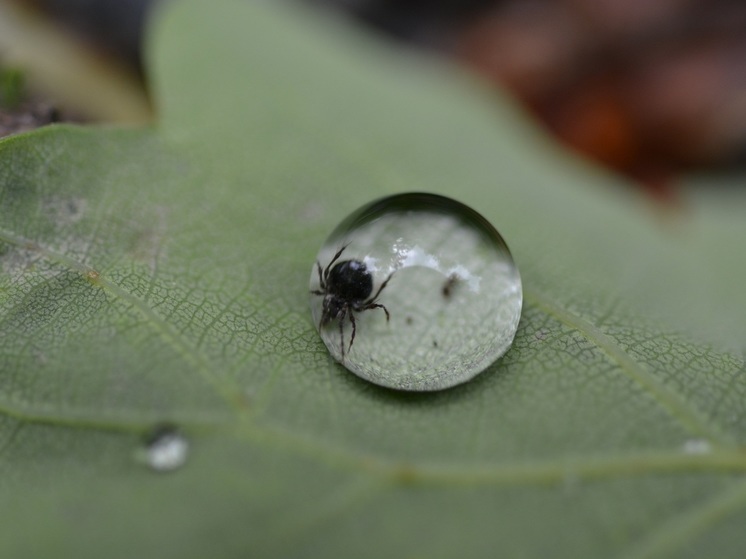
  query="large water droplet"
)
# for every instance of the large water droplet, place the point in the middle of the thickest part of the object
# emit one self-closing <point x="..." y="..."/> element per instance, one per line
<point x="441" y="271"/>
<point x="166" y="449"/>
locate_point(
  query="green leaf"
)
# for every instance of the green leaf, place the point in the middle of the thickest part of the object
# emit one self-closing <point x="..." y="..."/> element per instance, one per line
<point x="160" y="275"/>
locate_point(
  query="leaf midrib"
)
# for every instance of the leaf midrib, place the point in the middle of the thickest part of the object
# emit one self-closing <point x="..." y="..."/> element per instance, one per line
<point x="531" y="473"/>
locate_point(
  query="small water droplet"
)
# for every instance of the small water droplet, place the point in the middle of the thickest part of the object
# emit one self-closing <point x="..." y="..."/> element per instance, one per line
<point x="697" y="446"/>
<point x="166" y="448"/>
<point x="439" y="270"/>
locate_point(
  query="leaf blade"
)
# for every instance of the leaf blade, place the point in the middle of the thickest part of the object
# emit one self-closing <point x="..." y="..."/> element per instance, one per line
<point x="202" y="232"/>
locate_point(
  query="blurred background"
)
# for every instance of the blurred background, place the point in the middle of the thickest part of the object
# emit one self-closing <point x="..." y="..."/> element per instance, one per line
<point x="651" y="89"/>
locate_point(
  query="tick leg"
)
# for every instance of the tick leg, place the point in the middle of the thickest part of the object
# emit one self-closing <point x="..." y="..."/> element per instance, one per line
<point x="321" y="279"/>
<point x="336" y="256"/>
<point x="383" y="286"/>
<point x="341" y="319"/>
<point x="352" y="337"/>
<point x="378" y="306"/>
<point x="317" y="292"/>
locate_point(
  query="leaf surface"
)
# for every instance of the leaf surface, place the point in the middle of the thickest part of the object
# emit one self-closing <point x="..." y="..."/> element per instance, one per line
<point x="161" y="275"/>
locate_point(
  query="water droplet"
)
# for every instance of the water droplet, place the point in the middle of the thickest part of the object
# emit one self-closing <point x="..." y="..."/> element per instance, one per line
<point x="442" y="275"/>
<point x="166" y="449"/>
<point x="697" y="446"/>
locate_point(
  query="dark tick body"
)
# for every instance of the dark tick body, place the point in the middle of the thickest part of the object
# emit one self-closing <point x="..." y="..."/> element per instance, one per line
<point x="346" y="287"/>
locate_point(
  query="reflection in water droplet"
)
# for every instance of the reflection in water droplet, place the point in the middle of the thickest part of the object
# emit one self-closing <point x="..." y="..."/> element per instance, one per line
<point x="166" y="449"/>
<point x="697" y="446"/>
<point x="453" y="293"/>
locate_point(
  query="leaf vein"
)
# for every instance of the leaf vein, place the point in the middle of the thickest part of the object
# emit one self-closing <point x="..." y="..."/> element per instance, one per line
<point x="226" y="389"/>
<point x="675" y="405"/>
<point x="682" y="529"/>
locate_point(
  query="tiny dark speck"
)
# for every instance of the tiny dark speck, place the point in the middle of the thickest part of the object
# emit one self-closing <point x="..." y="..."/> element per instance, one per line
<point x="449" y="284"/>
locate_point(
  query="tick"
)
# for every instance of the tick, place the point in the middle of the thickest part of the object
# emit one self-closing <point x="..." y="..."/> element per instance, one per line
<point x="346" y="287"/>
